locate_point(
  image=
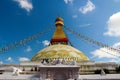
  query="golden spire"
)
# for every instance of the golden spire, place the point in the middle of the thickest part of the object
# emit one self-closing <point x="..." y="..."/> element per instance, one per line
<point x="59" y="36"/>
<point x="59" y="21"/>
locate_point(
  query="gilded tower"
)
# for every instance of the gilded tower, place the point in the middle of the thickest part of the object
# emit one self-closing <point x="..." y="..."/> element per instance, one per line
<point x="59" y="36"/>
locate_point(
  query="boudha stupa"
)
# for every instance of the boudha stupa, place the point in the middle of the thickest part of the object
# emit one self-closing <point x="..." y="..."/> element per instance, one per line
<point x="59" y="47"/>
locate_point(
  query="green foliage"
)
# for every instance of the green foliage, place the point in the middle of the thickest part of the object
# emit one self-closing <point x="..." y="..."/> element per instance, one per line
<point x="98" y="71"/>
<point x="118" y="69"/>
<point x="106" y="71"/>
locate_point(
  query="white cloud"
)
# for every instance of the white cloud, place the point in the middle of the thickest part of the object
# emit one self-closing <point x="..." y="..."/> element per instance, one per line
<point x="75" y="16"/>
<point x="45" y="42"/>
<point x="9" y="59"/>
<point x="28" y="49"/>
<point x="106" y="53"/>
<point x="1" y="62"/>
<point x="117" y="45"/>
<point x="68" y="1"/>
<point x="25" y="4"/>
<point x="87" y="8"/>
<point x="115" y="60"/>
<point x="21" y="59"/>
<point x="103" y="53"/>
<point x="117" y="0"/>
<point x="110" y="60"/>
<point x="113" y="25"/>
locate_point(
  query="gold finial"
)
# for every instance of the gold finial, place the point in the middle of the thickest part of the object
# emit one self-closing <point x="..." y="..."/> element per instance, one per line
<point x="59" y="21"/>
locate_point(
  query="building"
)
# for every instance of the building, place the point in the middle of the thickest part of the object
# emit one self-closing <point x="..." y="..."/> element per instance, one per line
<point x="59" y="56"/>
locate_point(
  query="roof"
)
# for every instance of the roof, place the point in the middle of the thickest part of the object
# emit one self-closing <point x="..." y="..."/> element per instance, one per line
<point x="60" y="50"/>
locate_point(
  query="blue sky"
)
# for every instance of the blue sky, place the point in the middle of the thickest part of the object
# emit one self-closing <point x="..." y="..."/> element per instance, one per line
<point x="96" y="19"/>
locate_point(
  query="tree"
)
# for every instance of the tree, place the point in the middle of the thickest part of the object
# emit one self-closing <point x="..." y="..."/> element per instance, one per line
<point x="106" y="71"/>
<point x="98" y="71"/>
<point x="118" y="69"/>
